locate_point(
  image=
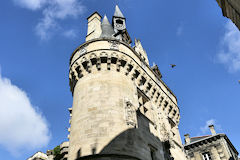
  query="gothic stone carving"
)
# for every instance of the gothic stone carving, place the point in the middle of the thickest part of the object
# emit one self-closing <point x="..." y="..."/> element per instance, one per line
<point x="82" y="50"/>
<point x="130" y="113"/>
<point x="164" y="132"/>
<point x="114" y="45"/>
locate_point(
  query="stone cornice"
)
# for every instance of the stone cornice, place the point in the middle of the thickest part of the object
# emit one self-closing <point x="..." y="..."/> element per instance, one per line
<point x="109" y="60"/>
<point x="127" y="45"/>
<point x="201" y="142"/>
<point x="136" y="63"/>
<point x="209" y="140"/>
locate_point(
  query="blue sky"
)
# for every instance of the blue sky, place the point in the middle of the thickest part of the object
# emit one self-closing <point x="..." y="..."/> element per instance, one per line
<point x="37" y="38"/>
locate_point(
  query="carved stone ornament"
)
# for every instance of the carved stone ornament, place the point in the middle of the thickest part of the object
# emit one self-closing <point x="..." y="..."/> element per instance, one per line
<point x="171" y="143"/>
<point x="114" y="45"/>
<point x="143" y="65"/>
<point x="82" y="50"/>
<point x="164" y="132"/>
<point x="130" y="114"/>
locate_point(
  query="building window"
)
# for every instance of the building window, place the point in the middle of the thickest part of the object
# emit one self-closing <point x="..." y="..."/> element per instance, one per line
<point x="152" y="152"/>
<point x="206" y="156"/>
<point x="152" y="155"/>
<point x="165" y="105"/>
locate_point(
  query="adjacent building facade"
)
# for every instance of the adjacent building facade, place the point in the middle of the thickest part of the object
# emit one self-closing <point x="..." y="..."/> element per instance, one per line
<point x="210" y="147"/>
<point x="231" y="9"/>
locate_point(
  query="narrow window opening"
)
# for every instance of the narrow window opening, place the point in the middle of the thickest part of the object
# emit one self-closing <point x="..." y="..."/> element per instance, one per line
<point x="161" y="99"/>
<point x="79" y="72"/>
<point x="85" y="65"/>
<point x="94" y="61"/>
<point x="130" y="67"/>
<point x="154" y="90"/>
<point x="73" y="76"/>
<point x="114" y="60"/>
<point x="142" y="81"/>
<point x="170" y="109"/>
<point x="123" y="63"/>
<point x="158" y="94"/>
<point x="103" y="59"/>
<point x="165" y="105"/>
<point x="149" y="86"/>
<point x="77" y="69"/>
<point x="174" y="112"/>
<point x="136" y="74"/>
<point x="152" y="152"/>
<point x="152" y="155"/>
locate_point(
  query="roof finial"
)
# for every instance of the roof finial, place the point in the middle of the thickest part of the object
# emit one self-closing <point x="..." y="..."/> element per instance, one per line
<point x="105" y="20"/>
<point x="118" y="12"/>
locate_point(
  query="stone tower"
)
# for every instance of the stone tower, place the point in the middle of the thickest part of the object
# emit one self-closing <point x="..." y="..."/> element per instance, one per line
<point x="122" y="110"/>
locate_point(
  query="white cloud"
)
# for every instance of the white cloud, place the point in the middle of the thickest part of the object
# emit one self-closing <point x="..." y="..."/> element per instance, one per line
<point x="70" y="33"/>
<point x="30" y="4"/>
<point x="53" y="11"/>
<point x="22" y="126"/>
<point x="229" y="54"/>
<point x="46" y="27"/>
<point x="64" y="8"/>
<point x="206" y="129"/>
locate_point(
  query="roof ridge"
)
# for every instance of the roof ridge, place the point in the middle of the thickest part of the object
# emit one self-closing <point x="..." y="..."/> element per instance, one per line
<point x="201" y="136"/>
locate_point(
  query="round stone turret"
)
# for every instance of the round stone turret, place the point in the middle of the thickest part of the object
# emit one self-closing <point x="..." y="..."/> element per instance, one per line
<point x="122" y="110"/>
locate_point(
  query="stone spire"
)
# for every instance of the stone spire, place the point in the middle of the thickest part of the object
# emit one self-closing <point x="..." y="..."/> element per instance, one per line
<point x="107" y="29"/>
<point x="118" y="12"/>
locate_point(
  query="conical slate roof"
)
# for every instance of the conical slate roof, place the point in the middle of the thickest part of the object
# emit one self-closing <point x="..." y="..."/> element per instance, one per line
<point x="118" y="12"/>
<point x="107" y="29"/>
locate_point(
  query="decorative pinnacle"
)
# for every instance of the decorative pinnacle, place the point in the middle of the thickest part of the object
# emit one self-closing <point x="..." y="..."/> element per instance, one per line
<point x="105" y="20"/>
<point x="118" y="12"/>
<point x="107" y="30"/>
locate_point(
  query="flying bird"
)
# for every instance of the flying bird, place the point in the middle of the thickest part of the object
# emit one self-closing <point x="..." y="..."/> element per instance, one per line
<point x="173" y="65"/>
